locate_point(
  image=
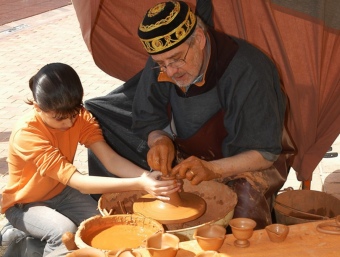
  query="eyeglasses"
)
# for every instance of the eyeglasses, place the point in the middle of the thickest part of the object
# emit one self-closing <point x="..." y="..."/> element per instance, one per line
<point x="175" y="64"/>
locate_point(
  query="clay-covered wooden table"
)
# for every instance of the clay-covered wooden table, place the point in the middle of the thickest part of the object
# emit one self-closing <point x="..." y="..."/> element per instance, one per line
<point x="302" y="240"/>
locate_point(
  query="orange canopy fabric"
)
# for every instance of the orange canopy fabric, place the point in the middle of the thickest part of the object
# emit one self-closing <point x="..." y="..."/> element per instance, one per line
<point x="302" y="37"/>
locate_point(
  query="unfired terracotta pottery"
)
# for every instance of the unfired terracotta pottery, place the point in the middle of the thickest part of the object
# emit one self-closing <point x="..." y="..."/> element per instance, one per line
<point x="329" y="227"/>
<point x="92" y="252"/>
<point x="181" y="207"/>
<point x="68" y="241"/>
<point x="210" y="236"/>
<point x="242" y="229"/>
<point x="277" y="232"/>
<point x="162" y="245"/>
<point x="116" y="232"/>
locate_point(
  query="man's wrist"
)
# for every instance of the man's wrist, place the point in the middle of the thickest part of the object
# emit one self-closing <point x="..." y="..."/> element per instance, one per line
<point x="164" y="139"/>
<point x="157" y="137"/>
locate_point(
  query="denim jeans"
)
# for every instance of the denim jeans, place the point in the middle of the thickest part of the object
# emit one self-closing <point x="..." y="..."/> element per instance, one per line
<point x="49" y="220"/>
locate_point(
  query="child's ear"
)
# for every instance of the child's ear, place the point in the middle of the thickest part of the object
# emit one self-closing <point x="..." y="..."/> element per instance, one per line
<point x="36" y="106"/>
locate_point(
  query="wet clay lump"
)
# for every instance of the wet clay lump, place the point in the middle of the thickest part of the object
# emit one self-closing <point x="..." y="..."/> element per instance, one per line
<point x="186" y="207"/>
<point x="181" y="207"/>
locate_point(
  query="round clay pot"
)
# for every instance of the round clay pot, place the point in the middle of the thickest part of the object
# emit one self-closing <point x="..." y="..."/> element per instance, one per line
<point x="242" y="229"/>
<point x="162" y="245"/>
<point x="210" y="236"/>
<point x="277" y="232"/>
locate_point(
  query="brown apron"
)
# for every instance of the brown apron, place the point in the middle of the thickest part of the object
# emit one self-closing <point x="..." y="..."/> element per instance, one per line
<point x="254" y="189"/>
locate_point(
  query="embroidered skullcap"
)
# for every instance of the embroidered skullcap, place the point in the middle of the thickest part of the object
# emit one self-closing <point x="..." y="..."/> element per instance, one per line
<point x="166" y="26"/>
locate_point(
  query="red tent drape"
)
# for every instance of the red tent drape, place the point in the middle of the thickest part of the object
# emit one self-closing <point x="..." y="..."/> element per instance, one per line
<point x="302" y="37"/>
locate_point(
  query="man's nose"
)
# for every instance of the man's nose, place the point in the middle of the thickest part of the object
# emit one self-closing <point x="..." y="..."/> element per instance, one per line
<point x="170" y="71"/>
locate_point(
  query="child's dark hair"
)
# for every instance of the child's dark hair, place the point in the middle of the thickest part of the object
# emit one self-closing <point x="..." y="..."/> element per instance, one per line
<point x="57" y="87"/>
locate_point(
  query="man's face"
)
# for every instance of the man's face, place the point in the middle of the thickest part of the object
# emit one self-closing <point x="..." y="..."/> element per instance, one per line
<point x="191" y="53"/>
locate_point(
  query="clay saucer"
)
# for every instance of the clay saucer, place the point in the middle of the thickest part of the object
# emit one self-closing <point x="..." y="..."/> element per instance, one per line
<point x="182" y="207"/>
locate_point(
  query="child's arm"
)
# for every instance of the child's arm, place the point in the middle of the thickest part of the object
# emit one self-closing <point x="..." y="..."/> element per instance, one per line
<point x="132" y="176"/>
<point x="115" y="163"/>
<point x="148" y="182"/>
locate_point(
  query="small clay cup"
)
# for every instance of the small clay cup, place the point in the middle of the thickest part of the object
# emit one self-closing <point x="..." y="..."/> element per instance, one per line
<point x="210" y="236"/>
<point x="208" y="254"/>
<point x="277" y="233"/>
<point x="162" y="245"/>
<point x="242" y="229"/>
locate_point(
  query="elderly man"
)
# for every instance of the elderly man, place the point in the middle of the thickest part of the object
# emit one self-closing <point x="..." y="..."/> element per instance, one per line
<point x="210" y="107"/>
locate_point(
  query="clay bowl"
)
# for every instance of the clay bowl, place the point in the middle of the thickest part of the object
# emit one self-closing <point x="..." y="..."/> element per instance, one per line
<point x="242" y="229"/>
<point x="277" y="232"/>
<point x="210" y="236"/>
<point x="116" y="232"/>
<point x="162" y="245"/>
<point x="208" y="254"/>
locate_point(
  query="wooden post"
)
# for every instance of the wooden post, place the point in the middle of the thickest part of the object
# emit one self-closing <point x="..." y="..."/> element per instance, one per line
<point x="306" y="184"/>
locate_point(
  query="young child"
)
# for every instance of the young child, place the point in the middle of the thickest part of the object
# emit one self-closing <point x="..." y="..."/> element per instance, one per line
<point x="46" y="195"/>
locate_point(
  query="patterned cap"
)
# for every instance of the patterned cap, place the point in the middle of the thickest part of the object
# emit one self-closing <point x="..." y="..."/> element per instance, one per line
<point x="165" y="26"/>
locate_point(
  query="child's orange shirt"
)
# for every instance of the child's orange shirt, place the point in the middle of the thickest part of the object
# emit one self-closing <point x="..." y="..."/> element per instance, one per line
<point x="40" y="158"/>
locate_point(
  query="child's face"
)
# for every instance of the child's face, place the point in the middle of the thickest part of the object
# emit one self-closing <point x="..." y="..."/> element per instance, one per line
<point x="49" y="118"/>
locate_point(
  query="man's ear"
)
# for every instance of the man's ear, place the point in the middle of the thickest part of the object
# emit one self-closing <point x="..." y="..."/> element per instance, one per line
<point x="200" y="37"/>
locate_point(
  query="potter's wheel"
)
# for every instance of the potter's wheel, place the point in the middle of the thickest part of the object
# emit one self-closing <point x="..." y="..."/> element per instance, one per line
<point x="220" y="203"/>
<point x="181" y="208"/>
